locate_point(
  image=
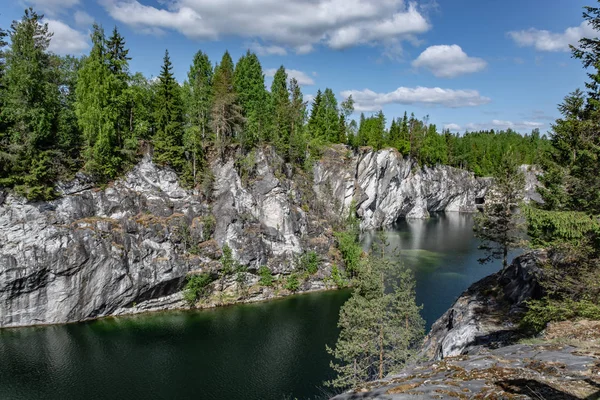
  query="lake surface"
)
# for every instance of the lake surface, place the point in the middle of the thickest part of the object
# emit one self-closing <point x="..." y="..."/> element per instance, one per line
<point x="273" y="350"/>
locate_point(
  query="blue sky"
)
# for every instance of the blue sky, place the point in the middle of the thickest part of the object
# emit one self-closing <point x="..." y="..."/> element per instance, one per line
<point x="468" y="64"/>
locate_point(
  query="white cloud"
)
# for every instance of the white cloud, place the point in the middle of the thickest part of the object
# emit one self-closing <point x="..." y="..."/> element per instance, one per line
<point x="302" y="78"/>
<point x="452" y="127"/>
<point x="544" y="40"/>
<point x="297" y="24"/>
<point x="66" y="40"/>
<point x="501" y="124"/>
<point x="448" y="61"/>
<point x="52" y="7"/>
<point x="367" y="100"/>
<point x="308" y="98"/>
<point x="83" y="19"/>
<point x="267" y="50"/>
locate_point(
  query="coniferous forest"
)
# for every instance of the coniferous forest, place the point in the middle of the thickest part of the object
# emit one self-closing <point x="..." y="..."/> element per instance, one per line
<point x="63" y="114"/>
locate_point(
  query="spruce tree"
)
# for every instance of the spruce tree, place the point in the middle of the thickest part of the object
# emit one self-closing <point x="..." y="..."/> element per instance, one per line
<point x="198" y="97"/>
<point x="249" y="85"/>
<point x="168" y="139"/>
<point x="314" y="123"/>
<point x="30" y="109"/>
<point x="280" y="106"/>
<point x="329" y="116"/>
<point x="298" y="142"/>
<point x="226" y="114"/>
<point x="98" y="109"/>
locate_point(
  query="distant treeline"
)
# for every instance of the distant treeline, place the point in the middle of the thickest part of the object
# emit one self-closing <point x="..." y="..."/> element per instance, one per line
<point x="59" y="115"/>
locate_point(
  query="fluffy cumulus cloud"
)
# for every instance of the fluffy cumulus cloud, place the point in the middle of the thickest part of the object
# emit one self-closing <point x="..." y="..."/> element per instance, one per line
<point x="294" y="24"/>
<point x="302" y="78"/>
<point x="267" y="50"/>
<point x="544" y="40"/>
<point x="368" y="100"/>
<point x="66" y="40"/>
<point x="448" y="61"/>
<point x="497" y="124"/>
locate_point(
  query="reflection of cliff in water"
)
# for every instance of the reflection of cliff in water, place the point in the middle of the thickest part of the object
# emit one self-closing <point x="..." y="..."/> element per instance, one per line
<point x="443" y="253"/>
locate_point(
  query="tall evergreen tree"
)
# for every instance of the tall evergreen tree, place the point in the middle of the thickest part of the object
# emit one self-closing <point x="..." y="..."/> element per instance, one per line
<point x="329" y="116"/>
<point x="226" y="114"/>
<point x="198" y="97"/>
<point x="98" y="109"/>
<point x="314" y="123"/>
<point x="168" y="139"/>
<point x="30" y="109"/>
<point x="249" y="85"/>
<point x="297" y="148"/>
<point x="280" y="106"/>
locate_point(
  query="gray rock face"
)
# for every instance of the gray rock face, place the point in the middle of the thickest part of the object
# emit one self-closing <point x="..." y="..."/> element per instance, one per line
<point x="129" y="247"/>
<point x="482" y="315"/>
<point x="512" y="372"/>
<point x="387" y="186"/>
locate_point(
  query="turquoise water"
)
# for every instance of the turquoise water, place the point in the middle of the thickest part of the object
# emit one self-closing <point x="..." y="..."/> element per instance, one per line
<point x="273" y="350"/>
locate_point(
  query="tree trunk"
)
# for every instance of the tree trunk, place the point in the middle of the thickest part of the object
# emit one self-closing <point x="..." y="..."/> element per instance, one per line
<point x="381" y="351"/>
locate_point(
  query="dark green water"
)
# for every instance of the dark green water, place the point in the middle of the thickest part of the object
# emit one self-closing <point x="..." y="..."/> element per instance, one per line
<point x="271" y="350"/>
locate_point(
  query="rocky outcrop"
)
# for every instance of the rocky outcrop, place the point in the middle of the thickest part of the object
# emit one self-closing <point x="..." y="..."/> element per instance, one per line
<point x="387" y="186"/>
<point x="519" y="371"/>
<point x="474" y="350"/>
<point x="129" y="247"/>
<point x="486" y="313"/>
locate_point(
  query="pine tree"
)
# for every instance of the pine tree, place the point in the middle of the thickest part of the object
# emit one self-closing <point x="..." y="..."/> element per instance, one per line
<point x="249" y="85"/>
<point x="280" y="106"/>
<point x="380" y="325"/>
<point x="30" y="110"/>
<point x="226" y="114"/>
<point x="498" y="225"/>
<point x="198" y="97"/>
<point x="168" y="139"/>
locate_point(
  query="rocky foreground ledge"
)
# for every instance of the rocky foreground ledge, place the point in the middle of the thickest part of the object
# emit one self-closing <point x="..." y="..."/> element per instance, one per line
<point x="476" y="351"/>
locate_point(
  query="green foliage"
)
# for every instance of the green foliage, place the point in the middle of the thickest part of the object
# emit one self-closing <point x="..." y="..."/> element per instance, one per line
<point x="338" y="277"/>
<point x="498" y="226"/>
<point x="380" y="325"/>
<point x="197" y="287"/>
<point x="226" y="113"/>
<point x="30" y="111"/>
<point x="228" y="263"/>
<point x="348" y="242"/>
<point x="541" y="312"/>
<point x="309" y="262"/>
<point x="292" y="283"/>
<point x="266" y="277"/>
<point x="168" y="116"/>
<point x="249" y="85"/>
<point x="553" y="228"/>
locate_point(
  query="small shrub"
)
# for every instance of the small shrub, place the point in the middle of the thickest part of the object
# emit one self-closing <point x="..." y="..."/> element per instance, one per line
<point x="541" y="312"/>
<point x="227" y="262"/>
<point x="266" y="278"/>
<point x="196" y="287"/>
<point x="338" y="277"/>
<point x="208" y="226"/>
<point x="292" y="283"/>
<point x="350" y="249"/>
<point x="309" y="262"/>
